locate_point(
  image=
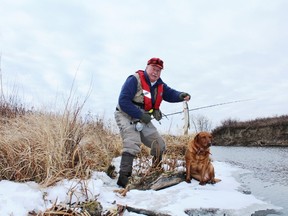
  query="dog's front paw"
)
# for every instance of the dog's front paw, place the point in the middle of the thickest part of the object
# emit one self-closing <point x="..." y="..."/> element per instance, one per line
<point x="188" y="181"/>
<point x="202" y="183"/>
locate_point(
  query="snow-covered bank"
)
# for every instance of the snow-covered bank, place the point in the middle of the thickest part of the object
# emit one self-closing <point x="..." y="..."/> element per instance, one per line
<point x="19" y="198"/>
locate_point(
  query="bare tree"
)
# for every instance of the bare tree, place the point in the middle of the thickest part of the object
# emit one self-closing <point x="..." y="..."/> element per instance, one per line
<point x="201" y="123"/>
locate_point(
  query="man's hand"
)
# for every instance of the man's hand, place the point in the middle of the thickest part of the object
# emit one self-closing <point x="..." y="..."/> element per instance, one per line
<point x="157" y="114"/>
<point x="185" y="96"/>
<point x="146" y="118"/>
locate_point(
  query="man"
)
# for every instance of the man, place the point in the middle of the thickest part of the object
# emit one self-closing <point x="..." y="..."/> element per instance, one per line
<point x="139" y="100"/>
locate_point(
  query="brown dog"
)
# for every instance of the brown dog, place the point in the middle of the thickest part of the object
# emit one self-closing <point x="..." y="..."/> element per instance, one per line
<point x="198" y="161"/>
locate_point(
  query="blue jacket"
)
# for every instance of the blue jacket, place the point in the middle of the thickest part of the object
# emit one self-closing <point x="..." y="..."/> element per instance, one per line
<point x="129" y="90"/>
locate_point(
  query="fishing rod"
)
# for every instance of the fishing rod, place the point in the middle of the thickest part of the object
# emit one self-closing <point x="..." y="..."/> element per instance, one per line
<point x="208" y="106"/>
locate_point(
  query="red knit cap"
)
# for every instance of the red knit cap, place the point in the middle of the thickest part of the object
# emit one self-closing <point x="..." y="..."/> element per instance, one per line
<point x="157" y="62"/>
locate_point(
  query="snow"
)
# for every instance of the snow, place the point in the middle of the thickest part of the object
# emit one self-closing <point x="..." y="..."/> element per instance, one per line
<point x="227" y="196"/>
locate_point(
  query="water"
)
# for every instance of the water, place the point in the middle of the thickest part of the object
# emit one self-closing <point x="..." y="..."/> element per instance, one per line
<point x="268" y="179"/>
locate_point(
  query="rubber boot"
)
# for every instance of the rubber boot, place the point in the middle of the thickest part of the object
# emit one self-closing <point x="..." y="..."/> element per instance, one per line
<point x="125" y="169"/>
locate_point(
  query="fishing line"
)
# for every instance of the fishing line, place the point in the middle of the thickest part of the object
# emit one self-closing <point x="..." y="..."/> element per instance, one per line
<point x="208" y="106"/>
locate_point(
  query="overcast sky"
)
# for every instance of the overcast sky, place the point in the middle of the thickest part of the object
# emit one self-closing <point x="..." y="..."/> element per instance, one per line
<point x="218" y="51"/>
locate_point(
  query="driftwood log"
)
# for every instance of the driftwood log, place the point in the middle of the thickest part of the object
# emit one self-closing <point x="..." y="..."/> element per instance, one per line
<point x="155" y="179"/>
<point x="121" y="210"/>
<point x="167" y="179"/>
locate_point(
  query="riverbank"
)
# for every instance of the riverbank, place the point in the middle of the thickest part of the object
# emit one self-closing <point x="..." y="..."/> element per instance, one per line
<point x="259" y="132"/>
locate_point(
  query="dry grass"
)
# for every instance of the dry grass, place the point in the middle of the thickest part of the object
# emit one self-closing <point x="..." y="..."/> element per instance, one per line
<point x="172" y="159"/>
<point x="176" y="145"/>
<point x="47" y="147"/>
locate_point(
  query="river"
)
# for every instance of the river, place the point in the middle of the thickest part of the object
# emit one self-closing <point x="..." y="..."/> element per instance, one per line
<point x="268" y="176"/>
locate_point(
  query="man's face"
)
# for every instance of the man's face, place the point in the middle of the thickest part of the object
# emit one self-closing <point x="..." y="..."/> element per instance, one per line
<point x="153" y="72"/>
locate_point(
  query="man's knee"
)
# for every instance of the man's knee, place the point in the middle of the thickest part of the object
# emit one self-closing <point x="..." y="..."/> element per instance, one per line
<point x="133" y="150"/>
<point x="132" y="143"/>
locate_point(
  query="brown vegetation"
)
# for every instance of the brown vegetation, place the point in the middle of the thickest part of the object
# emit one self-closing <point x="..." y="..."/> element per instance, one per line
<point x="271" y="131"/>
<point x="47" y="147"/>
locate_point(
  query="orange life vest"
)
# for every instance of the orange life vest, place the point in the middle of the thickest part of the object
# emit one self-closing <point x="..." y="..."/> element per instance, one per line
<point x="147" y="94"/>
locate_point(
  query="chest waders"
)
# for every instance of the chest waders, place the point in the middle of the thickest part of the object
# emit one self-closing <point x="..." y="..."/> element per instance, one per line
<point x="126" y="163"/>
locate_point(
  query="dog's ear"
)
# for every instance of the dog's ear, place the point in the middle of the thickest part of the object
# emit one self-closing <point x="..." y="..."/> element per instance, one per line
<point x="190" y="145"/>
<point x="196" y="138"/>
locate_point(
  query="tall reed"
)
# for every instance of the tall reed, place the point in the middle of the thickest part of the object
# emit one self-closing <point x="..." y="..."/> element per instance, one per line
<point x="46" y="147"/>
